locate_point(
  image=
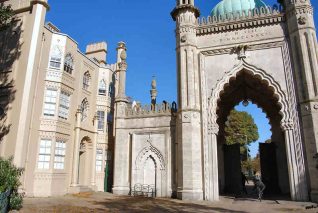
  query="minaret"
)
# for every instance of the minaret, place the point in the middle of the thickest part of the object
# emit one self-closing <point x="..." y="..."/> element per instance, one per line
<point x="153" y="92"/>
<point x="303" y="42"/>
<point x="189" y="139"/>
<point x="121" y="176"/>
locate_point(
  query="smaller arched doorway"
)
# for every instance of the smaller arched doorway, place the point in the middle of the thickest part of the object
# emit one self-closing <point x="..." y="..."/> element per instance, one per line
<point x="150" y="170"/>
<point x="84" y="164"/>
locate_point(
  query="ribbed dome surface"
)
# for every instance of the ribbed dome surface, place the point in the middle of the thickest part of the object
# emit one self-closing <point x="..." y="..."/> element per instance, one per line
<point x="231" y="6"/>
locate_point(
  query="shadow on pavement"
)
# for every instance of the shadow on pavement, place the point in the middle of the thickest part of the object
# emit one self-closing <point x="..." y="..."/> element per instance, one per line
<point x="140" y="204"/>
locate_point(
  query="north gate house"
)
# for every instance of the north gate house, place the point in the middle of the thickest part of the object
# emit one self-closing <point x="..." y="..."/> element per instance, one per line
<point x="73" y="125"/>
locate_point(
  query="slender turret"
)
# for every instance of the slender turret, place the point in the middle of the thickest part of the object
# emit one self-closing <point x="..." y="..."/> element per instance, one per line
<point x="153" y="92"/>
<point x="303" y="42"/>
<point x="190" y="175"/>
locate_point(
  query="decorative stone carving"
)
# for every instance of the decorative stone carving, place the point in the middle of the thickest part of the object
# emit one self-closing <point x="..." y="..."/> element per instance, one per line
<point x="302" y="20"/>
<point x="241" y="51"/>
<point x="256" y="17"/>
<point x="183" y="39"/>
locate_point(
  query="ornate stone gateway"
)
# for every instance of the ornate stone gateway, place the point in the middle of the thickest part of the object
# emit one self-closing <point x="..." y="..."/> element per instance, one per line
<point x="267" y="55"/>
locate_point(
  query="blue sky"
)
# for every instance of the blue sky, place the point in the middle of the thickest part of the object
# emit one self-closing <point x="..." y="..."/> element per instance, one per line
<point x="148" y="30"/>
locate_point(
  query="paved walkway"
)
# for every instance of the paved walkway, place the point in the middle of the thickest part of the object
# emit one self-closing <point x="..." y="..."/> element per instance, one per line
<point x="106" y="202"/>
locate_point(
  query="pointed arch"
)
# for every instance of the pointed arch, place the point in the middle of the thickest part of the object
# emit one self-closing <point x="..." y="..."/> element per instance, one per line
<point x="258" y="73"/>
<point x="154" y="153"/>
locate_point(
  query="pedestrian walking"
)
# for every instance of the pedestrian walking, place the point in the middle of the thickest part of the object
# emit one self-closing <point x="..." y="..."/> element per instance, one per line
<point x="259" y="186"/>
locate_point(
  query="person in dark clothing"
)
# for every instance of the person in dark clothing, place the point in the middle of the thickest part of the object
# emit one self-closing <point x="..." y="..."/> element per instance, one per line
<point x="259" y="186"/>
<point x="244" y="180"/>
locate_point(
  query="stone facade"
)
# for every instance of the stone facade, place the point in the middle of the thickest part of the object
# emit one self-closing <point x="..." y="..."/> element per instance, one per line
<point x="57" y="105"/>
<point x="221" y="61"/>
<point x="265" y="55"/>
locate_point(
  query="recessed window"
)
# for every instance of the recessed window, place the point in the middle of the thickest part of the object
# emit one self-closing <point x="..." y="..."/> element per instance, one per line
<point x="44" y="154"/>
<point x="68" y="63"/>
<point x="101" y="120"/>
<point x="86" y="79"/>
<point x="84" y="109"/>
<point x="59" y="156"/>
<point x="99" y="160"/>
<point x="56" y="57"/>
<point x="102" y="88"/>
<point x="50" y="102"/>
<point x="55" y="62"/>
<point x="64" y="105"/>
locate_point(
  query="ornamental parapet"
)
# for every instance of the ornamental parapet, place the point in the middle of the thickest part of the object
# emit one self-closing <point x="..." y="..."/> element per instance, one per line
<point x="244" y="19"/>
<point x="151" y="110"/>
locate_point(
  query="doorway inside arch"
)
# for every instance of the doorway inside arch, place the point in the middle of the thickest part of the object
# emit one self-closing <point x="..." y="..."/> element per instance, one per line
<point x="265" y="154"/>
<point x="84" y="164"/>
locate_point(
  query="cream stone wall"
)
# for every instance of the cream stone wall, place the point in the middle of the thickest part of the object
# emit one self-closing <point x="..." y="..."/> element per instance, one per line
<point x="32" y="75"/>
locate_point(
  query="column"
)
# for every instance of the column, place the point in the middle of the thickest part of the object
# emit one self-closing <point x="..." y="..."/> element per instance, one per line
<point x="76" y="148"/>
<point x="213" y="194"/>
<point x="297" y="181"/>
<point x="93" y="176"/>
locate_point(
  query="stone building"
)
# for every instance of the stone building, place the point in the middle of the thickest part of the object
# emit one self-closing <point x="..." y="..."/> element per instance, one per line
<point x="66" y="114"/>
<point x="245" y="51"/>
<point x="56" y="105"/>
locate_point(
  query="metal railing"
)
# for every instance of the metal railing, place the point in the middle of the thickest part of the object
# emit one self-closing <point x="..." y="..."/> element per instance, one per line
<point x="143" y="190"/>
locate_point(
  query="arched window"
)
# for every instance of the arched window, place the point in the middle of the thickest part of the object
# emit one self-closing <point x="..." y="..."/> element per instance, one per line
<point x="102" y="88"/>
<point x="55" y="58"/>
<point x="86" y="79"/>
<point x="68" y="63"/>
<point x="84" y="109"/>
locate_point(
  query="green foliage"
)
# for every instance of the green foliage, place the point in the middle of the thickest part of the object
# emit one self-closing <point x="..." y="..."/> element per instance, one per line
<point x="240" y="128"/>
<point x="268" y="141"/>
<point x="9" y="179"/>
<point x="6" y="15"/>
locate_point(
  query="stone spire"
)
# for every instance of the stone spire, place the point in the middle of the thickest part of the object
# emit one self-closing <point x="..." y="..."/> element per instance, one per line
<point x="121" y="70"/>
<point x="153" y="91"/>
<point x="303" y="43"/>
<point x="190" y="186"/>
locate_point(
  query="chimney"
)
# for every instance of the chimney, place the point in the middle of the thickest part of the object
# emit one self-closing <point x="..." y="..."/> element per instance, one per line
<point x="97" y="51"/>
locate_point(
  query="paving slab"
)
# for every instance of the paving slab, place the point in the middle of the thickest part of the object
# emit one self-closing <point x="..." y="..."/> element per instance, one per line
<point x="106" y="202"/>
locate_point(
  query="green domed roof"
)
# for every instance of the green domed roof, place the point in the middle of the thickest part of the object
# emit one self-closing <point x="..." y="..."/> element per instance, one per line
<point x="231" y="6"/>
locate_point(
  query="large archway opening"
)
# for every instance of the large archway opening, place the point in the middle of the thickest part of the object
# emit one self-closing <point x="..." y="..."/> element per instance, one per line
<point x="250" y="88"/>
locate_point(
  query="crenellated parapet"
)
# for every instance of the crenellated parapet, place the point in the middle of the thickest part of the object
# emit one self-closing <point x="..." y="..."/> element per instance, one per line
<point x="243" y="19"/>
<point x="151" y="110"/>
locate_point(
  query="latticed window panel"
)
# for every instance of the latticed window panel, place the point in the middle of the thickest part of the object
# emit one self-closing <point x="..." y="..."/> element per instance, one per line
<point x="59" y="157"/>
<point x="99" y="160"/>
<point x="101" y="120"/>
<point x="55" y="62"/>
<point x="50" y="102"/>
<point x="64" y="105"/>
<point x="44" y="154"/>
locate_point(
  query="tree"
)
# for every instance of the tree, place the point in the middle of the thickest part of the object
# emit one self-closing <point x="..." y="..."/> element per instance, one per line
<point x="10" y="180"/>
<point x="240" y="128"/>
<point x="6" y="15"/>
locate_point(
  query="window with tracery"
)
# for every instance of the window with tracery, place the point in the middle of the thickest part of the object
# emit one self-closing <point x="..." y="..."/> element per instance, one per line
<point x="56" y="57"/>
<point x="102" y="88"/>
<point x="68" y="63"/>
<point x="84" y="109"/>
<point x="86" y="80"/>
